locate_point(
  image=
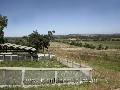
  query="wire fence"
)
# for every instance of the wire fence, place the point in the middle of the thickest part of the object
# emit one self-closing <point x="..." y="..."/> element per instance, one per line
<point x="38" y="76"/>
<point x="69" y="63"/>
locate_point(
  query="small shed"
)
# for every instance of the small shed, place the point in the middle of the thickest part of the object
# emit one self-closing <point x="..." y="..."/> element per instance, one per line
<point x="10" y="51"/>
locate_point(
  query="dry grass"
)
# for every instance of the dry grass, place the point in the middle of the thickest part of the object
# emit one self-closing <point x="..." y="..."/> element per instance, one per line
<point x="105" y="64"/>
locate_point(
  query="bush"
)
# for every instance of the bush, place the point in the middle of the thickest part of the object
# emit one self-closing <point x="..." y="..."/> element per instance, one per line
<point x="100" y="47"/>
<point x="106" y="47"/>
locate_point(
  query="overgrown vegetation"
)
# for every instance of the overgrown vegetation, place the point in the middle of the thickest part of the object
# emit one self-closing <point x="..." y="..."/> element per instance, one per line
<point x="45" y="63"/>
<point x="105" y="64"/>
<point x="85" y="86"/>
<point x="99" y="45"/>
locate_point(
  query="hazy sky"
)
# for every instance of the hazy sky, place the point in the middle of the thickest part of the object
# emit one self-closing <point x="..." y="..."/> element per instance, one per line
<point x="63" y="16"/>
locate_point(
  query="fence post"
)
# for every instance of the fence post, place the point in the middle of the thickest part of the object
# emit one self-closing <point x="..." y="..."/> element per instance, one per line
<point x="72" y="64"/>
<point x="4" y="77"/>
<point x="55" y="76"/>
<point x="23" y="76"/>
<point x="80" y="77"/>
<point x="25" y="57"/>
<point x="11" y="57"/>
<point x="31" y="57"/>
<point x="18" y="57"/>
<point x="90" y="74"/>
<point x="57" y="58"/>
<point x="3" y="57"/>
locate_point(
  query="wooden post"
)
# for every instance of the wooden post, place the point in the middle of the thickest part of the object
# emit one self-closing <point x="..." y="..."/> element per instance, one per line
<point x="67" y="61"/>
<point x="11" y="57"/>
<point x="18" y="57"/>
<point x="55" y="76"/>
<point x="80" y="76"/>
<point x="3" y="57"/>
<point x="72" y="63"/>
<point x="58" y="59"/>
<point x="4" y="78"/>
<point x="38" y="58"/>
<point x="31" y="57"/>
<point x="23" y="76"/>
<point x="90" y="74"/>
<point x="25" y="57"/>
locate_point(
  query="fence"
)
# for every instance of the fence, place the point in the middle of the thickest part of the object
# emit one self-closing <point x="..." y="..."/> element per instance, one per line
<point x="69" y="63"/>
<point x="7" y="56"/>
<point x="39" y="76"/>
<point x="16" y="56"/>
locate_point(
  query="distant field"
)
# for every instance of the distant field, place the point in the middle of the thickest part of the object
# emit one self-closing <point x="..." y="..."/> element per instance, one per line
<point x="59" y="45"/>
<point x="110" y="44"/>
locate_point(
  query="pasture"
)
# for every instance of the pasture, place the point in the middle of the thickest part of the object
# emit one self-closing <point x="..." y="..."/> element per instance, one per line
<point x="105" y="63"/>
<point x="110" y="44"/>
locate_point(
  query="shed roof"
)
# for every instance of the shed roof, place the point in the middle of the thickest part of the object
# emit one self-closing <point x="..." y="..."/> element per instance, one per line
<point x="18" y="46"/>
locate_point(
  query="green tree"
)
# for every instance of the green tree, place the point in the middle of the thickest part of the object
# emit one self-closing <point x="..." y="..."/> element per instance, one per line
<point x="50" y="34"/>
<point x="46" y="40"/>
<point x="35" y="40"/>
<point x="3" y="23"/>
<point x="40" y="41"/>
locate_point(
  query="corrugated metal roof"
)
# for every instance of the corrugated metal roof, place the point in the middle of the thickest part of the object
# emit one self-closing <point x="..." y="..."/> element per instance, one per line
<point x="28" y="48"/>
<point x="22" y="47"/>
<point x="18" y="46"/>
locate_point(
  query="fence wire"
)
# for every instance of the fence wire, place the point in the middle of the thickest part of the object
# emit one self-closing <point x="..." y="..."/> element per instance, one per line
<point x="38" y="77"/>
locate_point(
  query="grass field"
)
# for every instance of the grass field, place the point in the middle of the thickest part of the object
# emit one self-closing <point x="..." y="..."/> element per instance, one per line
<point x="85" y="86"/>
<point x="110" y="44"/>
<point x="45" y="63"/>
<point x="105" y="64"/>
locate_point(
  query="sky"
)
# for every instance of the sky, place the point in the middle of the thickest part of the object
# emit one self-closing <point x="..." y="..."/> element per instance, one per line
<point x="63" y="16"/>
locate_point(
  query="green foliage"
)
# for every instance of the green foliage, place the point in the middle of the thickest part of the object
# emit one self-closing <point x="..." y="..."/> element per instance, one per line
<point x="72" y="43"/>
<point x="80" y="44"/>
<point x="3" y="23"/>
<point x="85" y="86"/>
<point x="40" y="41"/>
<point x="106" y="47"/>
<point x="35" y="40"/>
<point x="100" y="47"/>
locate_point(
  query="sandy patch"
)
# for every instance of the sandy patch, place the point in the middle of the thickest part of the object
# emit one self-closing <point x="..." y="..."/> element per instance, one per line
<point x="71" y="48"/>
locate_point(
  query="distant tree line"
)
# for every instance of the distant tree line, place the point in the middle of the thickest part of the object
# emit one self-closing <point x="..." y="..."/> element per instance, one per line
<point x="93" y="37"/>
<point x="86" y="45"/>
